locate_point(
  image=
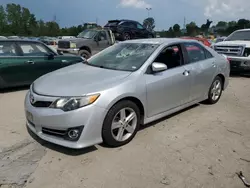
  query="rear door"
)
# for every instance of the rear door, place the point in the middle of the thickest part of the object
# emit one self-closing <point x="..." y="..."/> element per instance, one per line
<point x="13" y="70"/>
<point x="201" y="67"/>
<point x="42" y="59"/>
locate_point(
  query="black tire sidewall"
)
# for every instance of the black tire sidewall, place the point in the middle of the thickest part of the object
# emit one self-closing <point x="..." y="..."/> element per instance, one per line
<point x="210" y="100"/>
<point x="81" y="52"/>
<point x="126" y="33"/>
<point x="106" y="130"/>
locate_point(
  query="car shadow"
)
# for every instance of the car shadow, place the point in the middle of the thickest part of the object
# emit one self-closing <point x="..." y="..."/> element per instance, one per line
<point x="168" y="117"/>
<point x="61" y="149"/>
<point x="235" y="75"/>
<point x="14" y="89"/>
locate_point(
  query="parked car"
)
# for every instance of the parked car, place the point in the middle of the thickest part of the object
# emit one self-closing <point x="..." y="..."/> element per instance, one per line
<point x="130" y="83"/>
<point x="2" y="37"/>
<point x="202" y="40"/>
<point x="13" y="37"/>
<point x="23" y="61"/>
<point x="87" y="43"/>
<point x="128" y="29"/>
<point x="237" y="48"/>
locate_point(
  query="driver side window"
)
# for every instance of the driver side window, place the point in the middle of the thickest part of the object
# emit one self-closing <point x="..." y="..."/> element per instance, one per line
<point x="33" y="49"/>
<point x="170" y="56"/>
<point x="139" y="26"/>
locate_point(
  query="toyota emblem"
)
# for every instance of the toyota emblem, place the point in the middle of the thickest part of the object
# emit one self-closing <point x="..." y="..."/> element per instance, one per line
<point x="32" y="99"/>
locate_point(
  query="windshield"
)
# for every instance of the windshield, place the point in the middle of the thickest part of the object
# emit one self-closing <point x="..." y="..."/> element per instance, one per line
<point x="87" y="34"/>
<point x="239" y="35"/>
<point x="123" y="56"/>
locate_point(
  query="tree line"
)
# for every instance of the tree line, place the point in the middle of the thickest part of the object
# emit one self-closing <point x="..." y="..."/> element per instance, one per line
<point x="18" y="20"/>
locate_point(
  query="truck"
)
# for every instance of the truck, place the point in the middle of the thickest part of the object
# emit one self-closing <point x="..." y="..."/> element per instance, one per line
<point x="87" y="43"/>
<point x="237" y="49"/>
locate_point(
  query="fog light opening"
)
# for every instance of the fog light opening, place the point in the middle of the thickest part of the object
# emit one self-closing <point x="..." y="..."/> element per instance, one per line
<point x="73" y="134"/>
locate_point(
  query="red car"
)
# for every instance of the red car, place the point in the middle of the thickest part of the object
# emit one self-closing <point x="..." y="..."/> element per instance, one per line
<point x="203" y="40"/>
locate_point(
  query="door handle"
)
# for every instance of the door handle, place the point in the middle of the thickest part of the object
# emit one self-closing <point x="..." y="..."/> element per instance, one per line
<point x="30" y="62"/>
<point x="186" y="73"/>
<point x="213" y="64"/>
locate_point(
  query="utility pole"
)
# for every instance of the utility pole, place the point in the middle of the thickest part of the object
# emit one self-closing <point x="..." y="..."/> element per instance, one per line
<point x="184" y="23"/>
<point x="96" y="21"/>
<point x="148" y="9"/>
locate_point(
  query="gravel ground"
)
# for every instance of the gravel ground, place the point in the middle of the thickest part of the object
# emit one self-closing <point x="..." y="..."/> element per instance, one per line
<point x="203" y="146"/>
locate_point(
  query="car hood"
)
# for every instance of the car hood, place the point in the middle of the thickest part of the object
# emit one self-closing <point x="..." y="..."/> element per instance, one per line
<point x="236" y="43"/>
<point x="77" y="80"/>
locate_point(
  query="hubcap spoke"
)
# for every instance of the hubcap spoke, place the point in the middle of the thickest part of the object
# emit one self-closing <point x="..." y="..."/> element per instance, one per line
<point x="130" y="129"/>
<point x="120" y="134"/>
<point x="116" y="125"/>
<point x="130" y="117"/>
<point x="122" y="114"/>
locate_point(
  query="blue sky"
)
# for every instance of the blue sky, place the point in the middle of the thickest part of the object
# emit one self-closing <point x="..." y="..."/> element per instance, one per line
<point x="165" y="12"/>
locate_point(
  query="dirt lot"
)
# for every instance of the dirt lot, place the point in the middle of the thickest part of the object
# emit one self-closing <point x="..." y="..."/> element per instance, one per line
<point x="203" y="146"/>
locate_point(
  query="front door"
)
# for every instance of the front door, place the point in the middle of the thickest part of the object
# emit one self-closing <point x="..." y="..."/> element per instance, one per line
<point x="102" y="41"/>
<point x="13" y="70"/>
<point x="168" y="89"/>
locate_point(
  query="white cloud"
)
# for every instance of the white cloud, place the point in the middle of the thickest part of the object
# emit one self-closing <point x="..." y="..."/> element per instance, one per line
<point x="223" y="9"/>
<point x="140" y="4"/>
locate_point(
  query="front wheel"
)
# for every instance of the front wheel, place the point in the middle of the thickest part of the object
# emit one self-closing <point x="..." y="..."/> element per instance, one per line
<point x="215" y="91"/>
<point x="121" y="124"/>
<point x="85" y="54"/>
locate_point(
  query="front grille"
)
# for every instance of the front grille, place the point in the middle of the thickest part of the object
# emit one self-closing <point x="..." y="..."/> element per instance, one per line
<point x="42" y="104"/>
<point x="229" y="50"/>
<point x="53" y="132"/>
<point x="64" y="44"/>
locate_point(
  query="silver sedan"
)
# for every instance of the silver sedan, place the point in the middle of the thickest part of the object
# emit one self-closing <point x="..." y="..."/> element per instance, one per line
<point x="108" y="97"/>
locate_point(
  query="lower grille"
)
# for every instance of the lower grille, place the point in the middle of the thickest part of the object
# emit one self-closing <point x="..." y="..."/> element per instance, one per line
<point x="42" y="104"/>
<point x="64" y="44"/>
<point x="53" y="132"/>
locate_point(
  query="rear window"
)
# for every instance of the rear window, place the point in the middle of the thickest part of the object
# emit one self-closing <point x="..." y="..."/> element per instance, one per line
<point x="112" y="23"/>
<point x="7" y="49"/>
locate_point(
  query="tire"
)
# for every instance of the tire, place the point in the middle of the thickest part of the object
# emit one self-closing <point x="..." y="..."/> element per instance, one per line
<point x="126" y="36"/>
<point x="214" y="93"/>
<point x="85" y="54"/>
<point x="115" y="137"/>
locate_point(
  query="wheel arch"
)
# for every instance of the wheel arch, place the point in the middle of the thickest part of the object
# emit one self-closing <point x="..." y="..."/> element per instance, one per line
<point x="86" y="48"/>
<point x="223" y="79"/>
<point x="135" y="100"/>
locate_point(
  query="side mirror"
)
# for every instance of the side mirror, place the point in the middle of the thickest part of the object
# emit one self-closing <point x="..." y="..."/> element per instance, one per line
<point x="51" y="56"/>
<point x="158" y="67"/>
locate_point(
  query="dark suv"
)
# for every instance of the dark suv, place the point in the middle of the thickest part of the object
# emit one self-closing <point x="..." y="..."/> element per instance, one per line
<point x="128" y="29"/>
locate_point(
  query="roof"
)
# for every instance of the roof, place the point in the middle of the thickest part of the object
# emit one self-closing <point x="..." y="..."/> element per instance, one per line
<point x="158" y="40"/>
<point x="17" y="40"/>
<point x="243" y="30"/>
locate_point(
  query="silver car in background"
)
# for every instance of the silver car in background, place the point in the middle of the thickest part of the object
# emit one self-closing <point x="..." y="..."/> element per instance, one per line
<point x="107" y="98"/>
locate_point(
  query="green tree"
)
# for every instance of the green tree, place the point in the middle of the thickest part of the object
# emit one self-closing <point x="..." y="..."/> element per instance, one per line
<point x="149" y="23"/>
<point x="192" y="29"/>
<point x="3" y="20"/>
<point x="177" y="30"/>
<point x="14" y="18"/>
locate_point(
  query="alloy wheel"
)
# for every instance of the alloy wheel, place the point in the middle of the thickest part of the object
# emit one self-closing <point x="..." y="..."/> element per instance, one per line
<point x="216" y="90"/>
<point x="124" y="124"/>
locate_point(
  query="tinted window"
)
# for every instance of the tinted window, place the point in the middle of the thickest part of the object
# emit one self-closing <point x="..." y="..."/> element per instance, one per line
<point x="171" y="56"/>
<point x="128" y="24"/>
<point x="102" y="35"/>
<point x="208" y="54"/>
<point x="32" y="49"/>
<point x="195" y="52"/>
<point x="7" y="49"/>
<point x="139" y="26"/>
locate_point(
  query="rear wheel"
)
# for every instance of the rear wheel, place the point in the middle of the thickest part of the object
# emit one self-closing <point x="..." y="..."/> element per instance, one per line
<point x="121" y="124"/>
<point x="85" y="54"/>
<point x="215" y="91"/>
<point x="126" y="36"/>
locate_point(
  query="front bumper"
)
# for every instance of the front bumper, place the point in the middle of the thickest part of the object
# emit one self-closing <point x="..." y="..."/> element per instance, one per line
<point x="239" y="64"/>
<point x="90" y="118"/>
<point x="69" y="50"/>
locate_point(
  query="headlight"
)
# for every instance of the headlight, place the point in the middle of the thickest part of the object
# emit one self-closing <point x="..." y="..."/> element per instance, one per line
<point x="72" y="45"/>
<point x="73" y="103"/>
